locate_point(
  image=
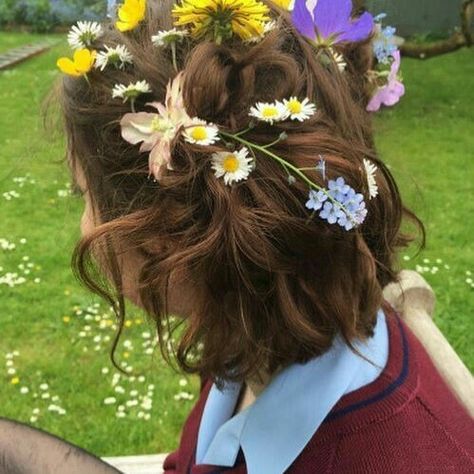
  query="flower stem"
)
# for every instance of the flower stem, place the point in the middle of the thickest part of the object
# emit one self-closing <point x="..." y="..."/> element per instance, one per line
<point x="173" y="55"/>
<point x="286" y="165"/>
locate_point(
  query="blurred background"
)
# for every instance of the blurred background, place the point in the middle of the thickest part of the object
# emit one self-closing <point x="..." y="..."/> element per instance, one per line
<point x="54" y="367"/>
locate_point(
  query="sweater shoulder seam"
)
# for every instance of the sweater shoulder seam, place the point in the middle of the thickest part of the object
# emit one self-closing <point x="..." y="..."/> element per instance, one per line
<point x="442" y="426"/>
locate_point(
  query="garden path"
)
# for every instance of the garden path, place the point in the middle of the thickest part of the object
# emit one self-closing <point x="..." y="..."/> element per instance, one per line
<point x="15" y="56"/>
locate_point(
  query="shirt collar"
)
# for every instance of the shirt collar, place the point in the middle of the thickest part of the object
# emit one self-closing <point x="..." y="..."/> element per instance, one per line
<point x="290" y="409"/>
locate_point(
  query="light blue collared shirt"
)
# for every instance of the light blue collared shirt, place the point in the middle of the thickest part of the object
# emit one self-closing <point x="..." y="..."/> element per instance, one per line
<point x="288" y="412"/>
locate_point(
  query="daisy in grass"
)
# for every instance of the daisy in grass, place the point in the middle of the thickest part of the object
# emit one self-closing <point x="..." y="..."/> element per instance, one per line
<point x="131" y="14"/>
<point x="219" y="20"/>
<point x="118" y="56"/>
<point x="168" y="37"/>
<point x="299" y="110"/>
<point x="370" y="170"/>
<point x="81" y="63"/>
<point x="132" y="91"/>
<point x="84" y="34"/>
<point x="269" y="112"/>
<point x="201" y="133"/>
<point x="233" y="166"/>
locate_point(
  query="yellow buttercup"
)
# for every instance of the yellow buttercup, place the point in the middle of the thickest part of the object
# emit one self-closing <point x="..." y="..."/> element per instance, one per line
<point x="81" y="63"/>
<point x="130" y="14"/>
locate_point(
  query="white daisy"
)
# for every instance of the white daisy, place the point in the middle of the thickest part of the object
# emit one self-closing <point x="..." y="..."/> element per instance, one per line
<point x="299" y="110"/>
<point x="165" y="38"/>
<point x="269" y="112"/>
<point x="201" y="133"/>
<point x="370" y="170"/>
<point x="338" y="58"/>
<point x="117" y="56"/>
<point x="84" y="34"/>
<point x="233" y="166"/>
<point x="132" y="91"/>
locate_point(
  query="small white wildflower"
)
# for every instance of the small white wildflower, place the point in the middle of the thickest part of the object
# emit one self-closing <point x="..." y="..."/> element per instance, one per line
<point x="110" y="401"/>
<point x="105" y="370"/>
<point x="36" y="411"/>
<point x="183" y="382"/>
<point x="338" y="58"/>
<point x="201" y="133"/>
<point x="84" y="34"/>
<point x="132" y="91"/>
<point x="299" y="110"/>
<point x="24" y="390"/>
<point x="269" y="112"/>
<point x="118" y="56"/>
<point x="44" y="386"/>
<point x="166" y="38"/>
<point x="370" y="170"/>
<point x="233" y="166"/>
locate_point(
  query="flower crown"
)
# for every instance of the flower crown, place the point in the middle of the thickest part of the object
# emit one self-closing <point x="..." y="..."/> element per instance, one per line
<point x="329" y="25"/>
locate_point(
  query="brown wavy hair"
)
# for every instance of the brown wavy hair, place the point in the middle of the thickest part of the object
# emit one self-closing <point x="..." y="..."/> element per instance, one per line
<point x="271" y="285"/>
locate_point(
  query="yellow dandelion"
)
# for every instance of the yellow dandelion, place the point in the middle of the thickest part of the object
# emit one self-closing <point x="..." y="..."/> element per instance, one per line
<point x="131" y="14"/>
<point x="221" y="19"/>
<point x="128" y="324"/>
<point x="15" y="380"/>
<point x="285" y="4"/>
<point x="66" y="319"/>
<point x="81" y="63"/>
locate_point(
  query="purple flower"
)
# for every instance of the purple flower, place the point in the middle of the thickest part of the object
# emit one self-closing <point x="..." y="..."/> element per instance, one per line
<point x="331" y="22"/>
<point x="390" y="93"/>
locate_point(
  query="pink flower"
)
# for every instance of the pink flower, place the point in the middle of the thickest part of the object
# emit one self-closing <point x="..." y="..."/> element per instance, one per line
<point x="390" y="93"/>
<point x="156" y="131"/>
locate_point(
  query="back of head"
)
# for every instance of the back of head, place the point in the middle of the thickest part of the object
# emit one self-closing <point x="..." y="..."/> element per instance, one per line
<point x="272" y="283"/>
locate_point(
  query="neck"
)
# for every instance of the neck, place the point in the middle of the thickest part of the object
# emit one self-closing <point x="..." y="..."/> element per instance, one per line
<point x="257" y="383"/>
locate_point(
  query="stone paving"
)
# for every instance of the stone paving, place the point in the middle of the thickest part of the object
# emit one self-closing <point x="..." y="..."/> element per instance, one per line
<point x="15" y="56"/>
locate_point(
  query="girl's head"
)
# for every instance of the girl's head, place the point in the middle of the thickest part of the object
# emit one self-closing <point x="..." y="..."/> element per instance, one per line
<point x="254" y="277"/>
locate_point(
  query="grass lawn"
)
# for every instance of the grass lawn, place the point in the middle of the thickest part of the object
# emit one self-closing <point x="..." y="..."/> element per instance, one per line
<point x="55" y="336"/>
<point x="14" y="39"/>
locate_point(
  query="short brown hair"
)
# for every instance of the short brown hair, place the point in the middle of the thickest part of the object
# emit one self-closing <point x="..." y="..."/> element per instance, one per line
<point x="272" y="286"/>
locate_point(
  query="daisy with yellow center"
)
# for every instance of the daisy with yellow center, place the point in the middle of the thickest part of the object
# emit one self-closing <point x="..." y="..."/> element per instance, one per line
<point x="233" y="166"/>
<point x="299" y="110"/>
<point x="201" y="134"/>
<point x="81" y="63"/>
<point x="219" y="20"/>
<point x="269" y="112"/>
<point x="131" y="14"/>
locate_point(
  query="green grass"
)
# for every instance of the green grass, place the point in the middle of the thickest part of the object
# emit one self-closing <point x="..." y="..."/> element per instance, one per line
<point x="15" y="39"/>
<point x="426" y="140"/>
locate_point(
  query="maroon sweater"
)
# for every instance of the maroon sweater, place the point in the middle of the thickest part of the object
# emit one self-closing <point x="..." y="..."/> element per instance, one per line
<point x="406" y="421"/>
